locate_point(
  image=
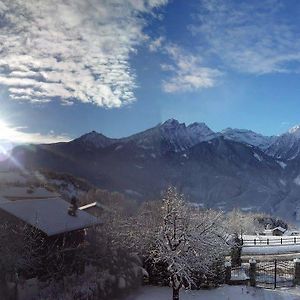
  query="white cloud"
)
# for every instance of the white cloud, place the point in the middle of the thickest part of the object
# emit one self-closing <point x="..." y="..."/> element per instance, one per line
<point x="71" y="50"/>
<point x="187" y="72"/>
<point x="256" y="37"/>
<point x="156" y="44"/>
<point x="17" y="135"/>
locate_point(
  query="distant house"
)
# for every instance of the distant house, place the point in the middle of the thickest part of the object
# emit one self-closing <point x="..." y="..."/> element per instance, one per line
<point x="278" y="231"/>
<point x="267" y="232"/>
<point x="52" y="219"/>
<point x="292" y="233"/>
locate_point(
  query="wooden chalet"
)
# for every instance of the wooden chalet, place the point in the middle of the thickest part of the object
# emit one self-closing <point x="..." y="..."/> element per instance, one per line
<point x="53" y="223"/>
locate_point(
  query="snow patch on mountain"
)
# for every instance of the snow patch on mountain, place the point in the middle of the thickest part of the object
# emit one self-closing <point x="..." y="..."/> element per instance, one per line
<point x="287" y="145"/>
<point x="295" y="130"/>
<point x="297" y="180"/>
<point x="119" y="147"/>
<point x="183" y="137"/>
<point x="258" y="157"/>
<point x="283" y="182"/>
<point x="281" y="164"/>
<point x="248" y="137"/>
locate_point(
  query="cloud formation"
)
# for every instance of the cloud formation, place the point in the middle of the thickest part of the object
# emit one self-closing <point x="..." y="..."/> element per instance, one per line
<point x="17" y="135"/>
<point x="187" y="72"/>
<point x="71" y="50"/>
<point x="255" y="37"/>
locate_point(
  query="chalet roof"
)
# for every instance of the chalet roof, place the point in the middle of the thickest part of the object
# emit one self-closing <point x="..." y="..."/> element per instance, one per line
<point x="279" y="228"/>
<point x="21" y="192"/>
<point x="49" y="215"/>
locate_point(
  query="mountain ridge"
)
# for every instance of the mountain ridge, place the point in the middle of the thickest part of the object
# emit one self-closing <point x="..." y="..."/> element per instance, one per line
<point x="212" y="169"/>
<point x="285" y="146"/>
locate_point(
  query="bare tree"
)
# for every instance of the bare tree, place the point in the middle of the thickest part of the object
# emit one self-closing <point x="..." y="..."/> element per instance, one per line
<point x="239" y="223"/>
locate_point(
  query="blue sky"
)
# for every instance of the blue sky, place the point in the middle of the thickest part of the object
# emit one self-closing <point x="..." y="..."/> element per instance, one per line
<point x="122" y="66"/>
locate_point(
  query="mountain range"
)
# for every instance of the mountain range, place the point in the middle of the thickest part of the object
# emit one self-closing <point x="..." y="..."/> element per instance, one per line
<point x="227" y="169"/>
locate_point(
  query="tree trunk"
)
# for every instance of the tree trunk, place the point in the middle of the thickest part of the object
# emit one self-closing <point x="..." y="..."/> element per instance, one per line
<point x="175" y="294"/>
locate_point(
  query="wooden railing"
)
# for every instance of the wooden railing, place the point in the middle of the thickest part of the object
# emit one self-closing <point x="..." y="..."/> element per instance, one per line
<point x="265" y="241"/>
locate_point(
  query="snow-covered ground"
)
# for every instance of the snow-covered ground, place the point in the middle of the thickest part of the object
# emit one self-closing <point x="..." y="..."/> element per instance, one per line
<point x="270" y="245"/>
<point x="267" y="250"/>
<point x="225" y="292"/>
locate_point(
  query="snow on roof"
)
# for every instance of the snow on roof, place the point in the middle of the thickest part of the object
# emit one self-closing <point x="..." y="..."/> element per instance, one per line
<point x="26" y="192"/>
<point x="3" y="200"/>
<point x="49" y="215"/>
<point x="279" y="228"/>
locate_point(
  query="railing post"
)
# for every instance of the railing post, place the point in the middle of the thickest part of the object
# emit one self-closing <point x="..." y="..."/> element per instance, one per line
<point x="252" y="272"/>
<point x="227" y="272"/>
<point x="297" y="271"/>
<point x="275" y="273"/>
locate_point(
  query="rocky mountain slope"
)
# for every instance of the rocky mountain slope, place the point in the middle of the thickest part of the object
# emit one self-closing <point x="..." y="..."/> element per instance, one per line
<point x="249" y="137"/>
<point x="234" y="168"/>
<point x="287" y="145"/>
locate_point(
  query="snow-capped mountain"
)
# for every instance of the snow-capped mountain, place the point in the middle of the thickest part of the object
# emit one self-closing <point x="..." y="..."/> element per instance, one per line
<point x="168" y="136"/>
<point x="287" y="145"/>
<point x="234" y="168"/>
<point x="175" y="136"/>
<point x="180" y="137"/>
<point x="249" y="137"/>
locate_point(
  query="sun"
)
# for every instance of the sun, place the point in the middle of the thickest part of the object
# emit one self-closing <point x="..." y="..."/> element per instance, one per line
<point x="6" y="132"/>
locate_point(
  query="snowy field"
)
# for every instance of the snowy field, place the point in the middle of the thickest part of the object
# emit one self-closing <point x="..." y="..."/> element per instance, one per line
<point x="225" y="292"/>
<point x="268" y="250"/>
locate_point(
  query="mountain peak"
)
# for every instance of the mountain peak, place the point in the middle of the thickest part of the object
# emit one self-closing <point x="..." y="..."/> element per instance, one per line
<point x="295" y="130"/>
<point x="198" y="124"/>
<point x="93" y="132"/>
<point x="95" y="138"/>
<point x="92" y="135"/>
<point x="171" y="122"/>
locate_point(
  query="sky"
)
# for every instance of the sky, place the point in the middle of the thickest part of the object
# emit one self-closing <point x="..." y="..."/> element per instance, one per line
<point x="68" y="67"/>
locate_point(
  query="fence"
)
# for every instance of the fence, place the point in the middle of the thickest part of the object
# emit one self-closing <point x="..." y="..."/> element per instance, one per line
<point x="272" y="241"/>
<point x="271" y="274"/>
<point x="275" y="274"/>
